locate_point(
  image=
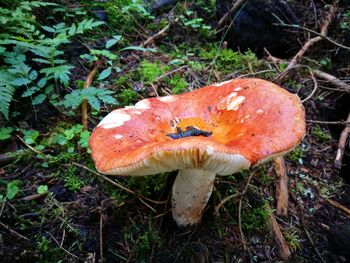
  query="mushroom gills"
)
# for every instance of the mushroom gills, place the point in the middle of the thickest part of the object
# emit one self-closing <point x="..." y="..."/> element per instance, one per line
<point x="191" y="192"/>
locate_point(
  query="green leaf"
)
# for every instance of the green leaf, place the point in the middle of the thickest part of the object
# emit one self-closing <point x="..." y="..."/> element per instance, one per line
<point x="39" y="99"/>
<point x="104" y="53"/>
<point x="12" y="189"/>
<point x="5" y="133"/>
<point x="84" y="139"/>
<point x="137" y="48"/>
<point x="42" y="189"/>
<point x="33" y="74"/>
<point x="48" y="29"/>
<point x="30" y="91"/>
<point x="21" y="81"/>
<point x="105" y="73"/>
<point x="30" y="136"/>
<point x="72" y="30"/>
<point x="6" y="91"/>
<point x="113" y="41"/>
<point x="42" y="82"/>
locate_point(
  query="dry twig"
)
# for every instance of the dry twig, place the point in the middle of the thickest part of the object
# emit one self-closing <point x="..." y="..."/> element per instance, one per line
<point x="341" y="145"/>
<point x="332" y="80"/>
<point x="161" y="33"/>
<point x="281" y="186"/>
<point x="340" y="206"/>
<point x="284" y="250"/>
<point x="323" y="33"/>
<point x="87" y="83"/>
<point x="329" y="122"/>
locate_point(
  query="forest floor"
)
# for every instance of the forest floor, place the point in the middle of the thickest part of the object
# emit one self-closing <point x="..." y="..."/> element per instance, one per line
<point x="55" y="207"/>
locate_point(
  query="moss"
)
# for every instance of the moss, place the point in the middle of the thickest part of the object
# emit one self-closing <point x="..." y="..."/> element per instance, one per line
<point x="321" y="134"/>
<point x="227" y="60"/>
<point x="127" y="97"/>
<point x="178" y="84"/>
<point x="149" y="72"/>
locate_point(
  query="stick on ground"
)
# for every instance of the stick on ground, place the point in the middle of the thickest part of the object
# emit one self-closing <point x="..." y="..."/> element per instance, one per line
<point x="281" y="186"/>
<point x="323" y="33"/>
<point x="283" y="248"/>
<point x="158" y="35"/>
<point x="341" y="145"/>
<point x="332" y="80"/>
<point x="87" y="83"/>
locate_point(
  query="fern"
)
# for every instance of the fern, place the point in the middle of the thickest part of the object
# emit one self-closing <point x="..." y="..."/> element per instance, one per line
<point x="93" y="96"/>
<point x="21" y="34"/>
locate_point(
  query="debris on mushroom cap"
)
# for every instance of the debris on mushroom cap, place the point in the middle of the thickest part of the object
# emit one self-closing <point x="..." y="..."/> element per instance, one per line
<point x="249" y="120"/>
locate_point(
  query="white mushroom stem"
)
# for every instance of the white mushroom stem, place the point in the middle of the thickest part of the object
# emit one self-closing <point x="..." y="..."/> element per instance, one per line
<point x="191" y="191"/>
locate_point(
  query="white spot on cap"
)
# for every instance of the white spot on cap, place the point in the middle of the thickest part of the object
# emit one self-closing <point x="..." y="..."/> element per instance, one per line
<point x="233" y="94"/>
<point x="167" y="98"/>
<point x="247" y="116"/>
<point x="237" y="89"/>
<point x="221" y="83"/>
<point x="143" y="105"/>
<point x="233" y="103"/>
<point x="114" y="119"/>
<point x="118" y="136"/>
<point x="259" y="111"/>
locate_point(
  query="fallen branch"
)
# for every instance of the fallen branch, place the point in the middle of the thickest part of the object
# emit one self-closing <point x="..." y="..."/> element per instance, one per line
<point x="341" y="145"/>
<point x="332" y="80"/>
<point x="340" y="206"/>
<point x="284" y="250"/>
<point x="323" y="33"/>
<point x="158" y="35"/>
<point x="329" y="122"/>
<point x="87" y="83"/>
<point x="281" y="186"/>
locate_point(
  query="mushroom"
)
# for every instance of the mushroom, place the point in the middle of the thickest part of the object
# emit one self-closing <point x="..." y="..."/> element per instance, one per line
<point x="219" y="129"/>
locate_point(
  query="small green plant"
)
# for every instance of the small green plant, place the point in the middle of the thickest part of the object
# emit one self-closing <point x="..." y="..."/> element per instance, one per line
<point x="326" y="63"/>
<point x="147" y="240"/>
<point x="5" y="133"/>
<point x="321" y="134"/>
<point x="43" y="244"/>
<point x="297" y="155"/>
<point x="293" y="239"/>
<point x="32" y="54"/>
<point x="13" y="188"/>
<point x="195" y="23"/>
<point x="42" y="189"/>
<point x="71" y="181"/>
<point x="70" y="137"/>
<point x="345" y="24"/>
<point x="255" y="219"/>
<point x="93" y="96"/>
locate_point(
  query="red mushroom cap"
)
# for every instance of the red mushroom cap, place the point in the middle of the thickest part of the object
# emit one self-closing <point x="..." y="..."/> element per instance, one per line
<point x="249" y="118"/>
